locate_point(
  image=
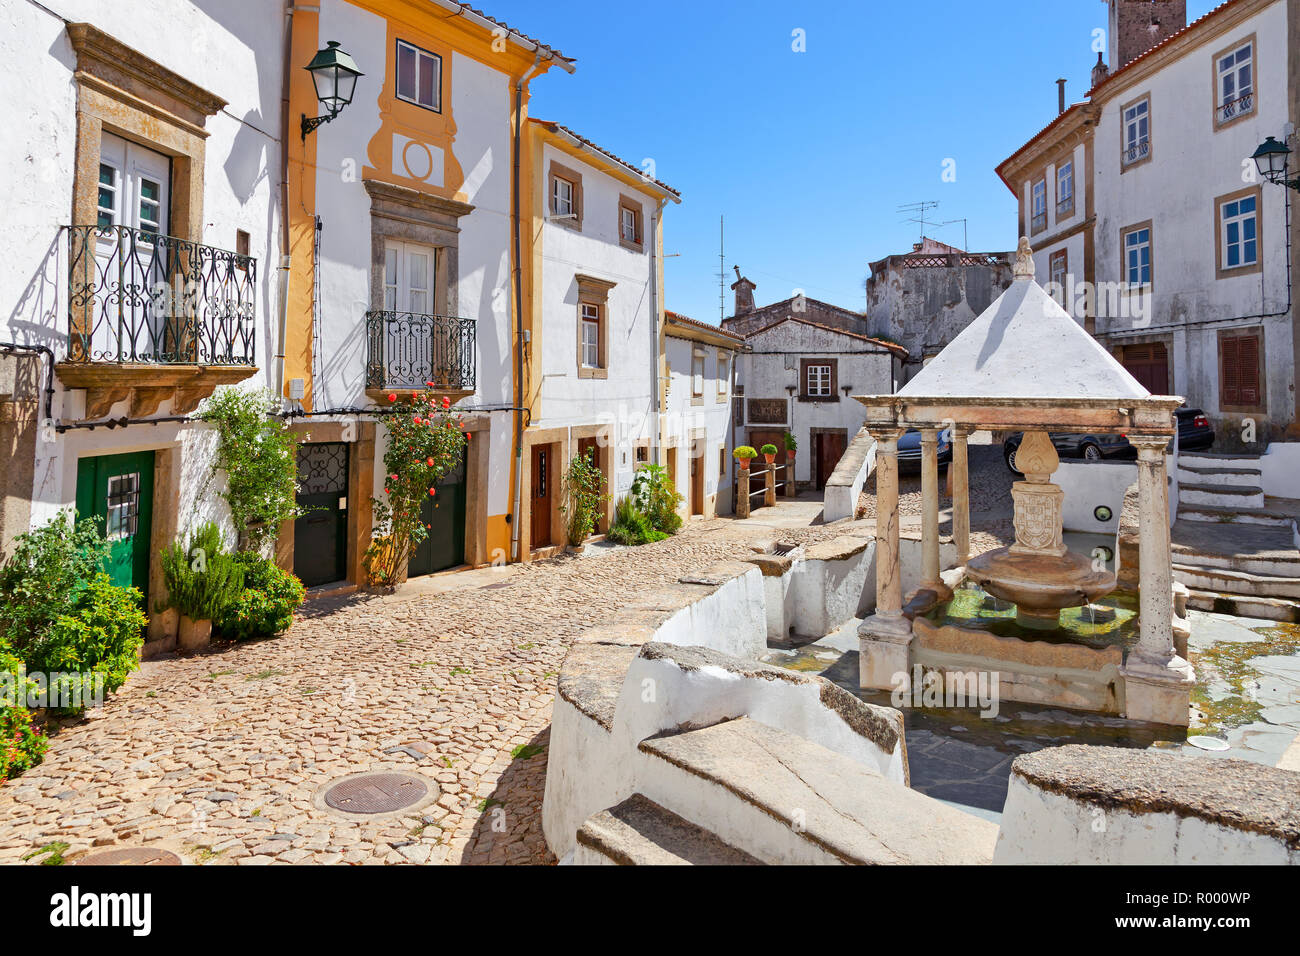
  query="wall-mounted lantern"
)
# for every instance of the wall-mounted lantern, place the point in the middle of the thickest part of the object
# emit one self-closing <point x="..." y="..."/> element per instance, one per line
<point x="334" y="74"/>
<point x="1273" y="161"/>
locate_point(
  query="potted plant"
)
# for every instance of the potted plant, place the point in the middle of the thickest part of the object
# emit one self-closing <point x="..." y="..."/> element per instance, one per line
<point x="769" y="453"/>
<point x="744" y="454"/>
<point x="791" y="445"/>
<point x="581" y="498"/>
<point x="201" y="581"/>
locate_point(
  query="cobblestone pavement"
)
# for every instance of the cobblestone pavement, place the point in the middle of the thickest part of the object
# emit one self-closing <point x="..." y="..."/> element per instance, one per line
<point x="220" y="757"/>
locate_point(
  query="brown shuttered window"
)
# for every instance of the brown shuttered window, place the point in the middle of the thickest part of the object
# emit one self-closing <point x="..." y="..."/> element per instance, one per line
<point x="1239" y="385"/>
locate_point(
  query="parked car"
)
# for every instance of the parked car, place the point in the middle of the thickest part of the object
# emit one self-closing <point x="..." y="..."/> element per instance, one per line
<point x="909" y="451"/>
<point x="1194" y="434"/>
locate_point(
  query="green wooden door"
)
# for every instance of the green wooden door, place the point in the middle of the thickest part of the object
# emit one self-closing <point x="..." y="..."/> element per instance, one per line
<point x="117" y="491"/>
<point x="444" y="547"/>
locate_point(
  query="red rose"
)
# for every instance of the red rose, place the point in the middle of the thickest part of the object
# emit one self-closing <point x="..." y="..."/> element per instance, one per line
<point x="433" y="491"/>
<point x="385" y="491"/>
<point x="446" y="402"/>
<point x="418" y="420"/>
<point x="392" y="397"/>
<point x="431" y="462"/>
<point x="430" y="384"/>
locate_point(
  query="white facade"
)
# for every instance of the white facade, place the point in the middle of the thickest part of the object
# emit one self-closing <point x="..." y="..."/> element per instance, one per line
<point x="697" y="418"/>
<point x="774" y="372"/>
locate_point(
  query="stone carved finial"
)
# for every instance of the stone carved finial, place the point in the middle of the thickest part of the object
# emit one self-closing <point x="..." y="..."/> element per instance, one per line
<point x="1024" y="268"/>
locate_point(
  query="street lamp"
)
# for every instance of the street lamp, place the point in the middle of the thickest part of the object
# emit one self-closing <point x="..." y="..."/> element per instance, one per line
<point x="1273" y="161"/>
<point x="334" y="74"/>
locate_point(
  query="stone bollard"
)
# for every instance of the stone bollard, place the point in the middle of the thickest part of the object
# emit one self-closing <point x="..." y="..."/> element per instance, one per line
<point x="769" y="490"/>
<point x="742" y="493"/>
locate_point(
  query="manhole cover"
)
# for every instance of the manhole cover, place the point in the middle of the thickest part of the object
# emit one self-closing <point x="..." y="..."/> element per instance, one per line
<point x="131" y="856"/>
<point x="375" y="793"/>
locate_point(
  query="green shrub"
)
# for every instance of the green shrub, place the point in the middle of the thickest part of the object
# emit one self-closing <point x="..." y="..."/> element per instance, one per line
<point x="657" y="498"/>
<point x="631" y="526"/>
<point x="581" y="498"/>
<point x="266" y="605"/>
<point x="768" y="449"/>
<point x="201" y="579"/>
<point x="99" y="639"/>
<point x="745" y="452"/>
<point x="791" y="443"/>
<point x="45" y="575"/>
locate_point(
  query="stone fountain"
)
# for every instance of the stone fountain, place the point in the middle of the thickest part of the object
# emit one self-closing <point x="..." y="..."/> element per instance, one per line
<point x="1038" y="574"/>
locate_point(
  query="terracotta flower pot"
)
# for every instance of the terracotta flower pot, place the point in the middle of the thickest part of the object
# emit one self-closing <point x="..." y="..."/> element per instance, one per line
<point x="193" y="634"/>
<point x="744" y="464"/>
<point x="769" y="458"/>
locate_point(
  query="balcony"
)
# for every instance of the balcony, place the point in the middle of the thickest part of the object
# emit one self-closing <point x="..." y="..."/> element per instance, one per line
<point x="1233" y="109"/>
<point x="1136" y="152"/>
<point x="154" y="317"/>
<point x="407" y="350"/>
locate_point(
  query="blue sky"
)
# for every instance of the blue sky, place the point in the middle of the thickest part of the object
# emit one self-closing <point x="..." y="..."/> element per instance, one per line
<point x="808" y="155"/>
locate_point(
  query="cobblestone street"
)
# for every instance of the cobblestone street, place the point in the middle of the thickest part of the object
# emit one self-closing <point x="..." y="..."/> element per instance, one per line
<point x="220" y="757"/>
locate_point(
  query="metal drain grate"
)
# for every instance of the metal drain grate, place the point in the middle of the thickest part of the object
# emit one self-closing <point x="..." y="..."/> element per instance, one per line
<point x="376" y="793"/>
<point x="781" y="550"/>
<point x="131" y="856"/>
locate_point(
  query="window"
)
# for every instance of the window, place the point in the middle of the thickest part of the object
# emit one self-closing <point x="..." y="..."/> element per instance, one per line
<point x="697" y="376"/>
<point x="133" y="184"/>
<point x="1064" y="189"/>
<point x="1059" y="266"/>
<point x="630" y="234"/>
<point x="1238" y="232"/>
<point x="724" y="375"/>
<point x="565" y="196"/>
<point x="642" y="454"/>
<point x="722" y="461"/>
<point x="1239" y="372"/>
<point x="1137" y="131"/>
<point x="590" y="335"/>
<point x="1235" y="82"/>
<point x="1137" y="256"/>
<point x="419" y="76"/>
<point x="109" y="186"/>
<point x="1039" y="209"/>
<point x="818" y="378"/>
<point x="408" y="277"/>
<point x="123" y="512"/>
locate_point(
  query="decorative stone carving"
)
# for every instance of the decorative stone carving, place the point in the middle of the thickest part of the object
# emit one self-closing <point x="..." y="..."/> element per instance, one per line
<point x="1024" y="267"/>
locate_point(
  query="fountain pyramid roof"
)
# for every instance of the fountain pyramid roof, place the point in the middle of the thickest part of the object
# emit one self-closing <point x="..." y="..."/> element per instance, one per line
<point x="1024" y="346"/>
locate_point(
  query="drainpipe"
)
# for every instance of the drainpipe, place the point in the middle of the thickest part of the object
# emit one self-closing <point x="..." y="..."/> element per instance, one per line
<point x="656" y="359"/>
<point x="284" y="208"/>
<point x="516" y="238"/>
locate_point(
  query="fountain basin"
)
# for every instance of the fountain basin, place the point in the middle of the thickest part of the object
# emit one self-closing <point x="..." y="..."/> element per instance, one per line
<point x="1040" y="585"/>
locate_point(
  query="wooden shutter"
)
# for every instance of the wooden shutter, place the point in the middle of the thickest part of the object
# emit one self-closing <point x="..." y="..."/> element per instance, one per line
<point x="1239" y="384"/>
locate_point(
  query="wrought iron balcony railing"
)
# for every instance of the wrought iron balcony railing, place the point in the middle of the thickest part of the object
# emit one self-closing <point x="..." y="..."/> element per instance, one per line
<point x="1136" y="151"/>
<point x="409" y="350"/>
<point x="1234" y="108"/>
<point x="139" y="296"/>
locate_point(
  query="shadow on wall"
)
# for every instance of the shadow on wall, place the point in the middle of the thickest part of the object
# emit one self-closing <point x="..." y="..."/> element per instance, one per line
<point x="39" y="316"/>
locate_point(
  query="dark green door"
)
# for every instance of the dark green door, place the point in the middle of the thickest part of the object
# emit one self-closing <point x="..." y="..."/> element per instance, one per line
<point x="117" y="491"/>
<point x="444" y="547"/>
<point x="320" y="548"/>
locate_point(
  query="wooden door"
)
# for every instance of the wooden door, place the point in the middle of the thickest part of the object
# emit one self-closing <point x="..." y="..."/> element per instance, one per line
<point x="117" y="491"/>
<point x="828" y="448"/>
<point x="541" y="497"/>
<point x="320" y="548"/>
<point x="697" y="483"/>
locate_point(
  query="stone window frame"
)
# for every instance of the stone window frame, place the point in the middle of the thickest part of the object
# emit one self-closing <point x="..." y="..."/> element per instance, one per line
<point x="571" y="176"/>
<point x="627" y="202"/>
<point x="1215" y="122"/>
<point x="1222" y="271"/>
<point x="593" y="291"/>
<point x="410" y="215"/>
<point x="698" y="354"/>
<point x="724" y="376"/>
<point x="1261" y="381"/>
<point x="804" y="365"/>
<point x="1126" y="166"/>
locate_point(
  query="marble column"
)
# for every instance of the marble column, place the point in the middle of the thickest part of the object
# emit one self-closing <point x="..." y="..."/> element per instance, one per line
<point x="930" y="579"/>
<point x="960" y="496"/>
<point x="883" y="638"/>
<point x="1157" y="682"/>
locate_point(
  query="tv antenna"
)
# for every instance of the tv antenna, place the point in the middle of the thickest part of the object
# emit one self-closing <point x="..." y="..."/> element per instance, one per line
<point x="918" y="212"/>
<point x="965" y="242"/>
<point x="722" y="269"/>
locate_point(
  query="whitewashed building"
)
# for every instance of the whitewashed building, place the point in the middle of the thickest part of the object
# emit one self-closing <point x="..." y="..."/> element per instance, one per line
<point x="1148" y="215"/>
<point x="142" y="174"/>
<point x="701" y="362"/>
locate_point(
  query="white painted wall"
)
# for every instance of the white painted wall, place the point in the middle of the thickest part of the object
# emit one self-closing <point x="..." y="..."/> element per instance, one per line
<point x="774" y="364"/>
<point x="1090" y="485"/>
<point x="683" y="418"/>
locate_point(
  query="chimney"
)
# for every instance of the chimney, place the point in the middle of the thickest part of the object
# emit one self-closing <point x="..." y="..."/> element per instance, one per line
<point x="1099" y="72"/>
<point x="744" y="290"/>
<point x="1138" y="25"/>
<point x="1060" y="96"/>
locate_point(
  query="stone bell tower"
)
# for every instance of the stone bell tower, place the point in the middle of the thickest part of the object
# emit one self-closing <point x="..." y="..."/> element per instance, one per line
<point x="1138" y="25"/>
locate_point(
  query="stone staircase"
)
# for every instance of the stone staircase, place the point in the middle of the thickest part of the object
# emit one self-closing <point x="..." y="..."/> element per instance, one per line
<point x="780" y="796"/>
<point x="1234" y="548"/>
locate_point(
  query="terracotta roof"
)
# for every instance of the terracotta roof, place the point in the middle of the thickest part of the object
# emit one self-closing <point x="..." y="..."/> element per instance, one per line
<point x="1059" y="120"/>
<point x="680" y="319"/>
<point x="635" y="170"/>
<point x="894" y="347"/>
<point x="518" y="33"/>
<point x="1172" y="38"/>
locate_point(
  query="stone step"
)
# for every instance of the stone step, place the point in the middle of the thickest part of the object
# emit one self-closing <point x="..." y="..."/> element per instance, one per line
<point x="1263" y="608"/>
<point x="639" y="832"/>
<point x="1257" y="516"/>
<point x="1221" y="496"/>
<point x="1245" y="548"/>
<point x="1208" y="459"/>
<point x="1227" y="477"/>
<point x="1227" y="581"/>
<point x="786" y="799"/>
